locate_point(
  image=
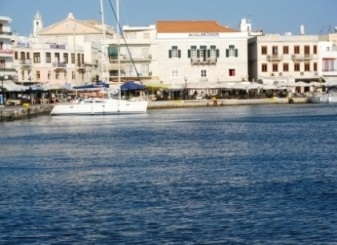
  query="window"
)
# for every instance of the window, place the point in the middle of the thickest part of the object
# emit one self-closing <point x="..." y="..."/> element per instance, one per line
<point x="145" y="53"/>
<point x="306" y="50"/>
<point x="73" y="75"/>
<point x="296" y="49"/>
<point x="296" y="67"/>
<point x="193" y="53"/>
<point x="129" y="69"/>
<point x="22" y="55"/>
<point x="65" y="75"/>
<point x="328" y="64"/>
<point x="48" y="58"/>
<point x="315" y="49"/>
<point x="231" y="72"/>
<point x="264" y="68"/>
<point x="22" y="75"/>
<point x="213" y="52"/>
<point x="175" y="73"/>
<point x="203" y="73"/>
<point x="145" y="69"/>
<point x="79" y="60"/>
<point x="232" y="51"/>
<point x="275" y="50"/>
<point x="65" y="58"/>
<point x="174" y="52"/>
<point x="48" y="75"/>
<point x="285" y="67"/>
<point x="315" y="66"/>
<point x="16" y="55"/>
<point x="37" y="75"/>
<point x="72" y="58"/>
<point x="36" y="58"/>
<point x="57" y="75"/>
<point x="285" y="49"/>
<point x="57" y="57"/>
<point x="264" y="50"/>
<point x="203" y="52"/>
<point x="307" y="67"/>
<point x="275" y="67"/>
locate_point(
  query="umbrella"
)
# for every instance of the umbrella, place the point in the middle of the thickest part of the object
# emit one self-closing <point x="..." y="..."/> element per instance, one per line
<point x="131" y="86"/>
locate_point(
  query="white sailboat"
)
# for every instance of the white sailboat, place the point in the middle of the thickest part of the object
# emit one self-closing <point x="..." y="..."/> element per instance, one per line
<point x="105" y="106"/>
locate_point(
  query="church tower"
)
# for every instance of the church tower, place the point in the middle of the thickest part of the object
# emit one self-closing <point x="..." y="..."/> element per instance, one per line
<point x="37" y="24"/>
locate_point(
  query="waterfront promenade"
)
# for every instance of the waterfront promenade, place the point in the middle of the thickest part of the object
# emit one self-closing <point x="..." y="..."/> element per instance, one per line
<point x="11" y="113"/>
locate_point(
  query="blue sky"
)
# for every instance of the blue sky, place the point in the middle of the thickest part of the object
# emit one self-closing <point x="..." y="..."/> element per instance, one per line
<point x="271" y="16"/>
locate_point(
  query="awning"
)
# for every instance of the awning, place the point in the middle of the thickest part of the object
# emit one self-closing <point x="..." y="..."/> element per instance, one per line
<point x="131" y="86"/>
<point x="330" y="81"/>
<point x="11" y="86"/>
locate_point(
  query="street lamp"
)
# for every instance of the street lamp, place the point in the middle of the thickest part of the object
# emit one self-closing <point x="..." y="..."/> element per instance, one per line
<point x="5" y="77"/>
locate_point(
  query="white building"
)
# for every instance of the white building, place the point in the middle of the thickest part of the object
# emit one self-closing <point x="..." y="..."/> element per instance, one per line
<point x="138" y="50"/>
<point x="6" y="49"/>
<point x="200" y="52"/>
<point x="327" y="65"/>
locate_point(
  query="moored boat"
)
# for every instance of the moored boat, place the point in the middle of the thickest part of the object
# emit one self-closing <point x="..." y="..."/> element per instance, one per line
<point x="97" y="106"/>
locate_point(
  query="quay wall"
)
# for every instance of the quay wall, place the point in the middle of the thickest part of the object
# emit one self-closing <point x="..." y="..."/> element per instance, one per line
<point x="222" y="102"/>
<point x="10" y="113"/>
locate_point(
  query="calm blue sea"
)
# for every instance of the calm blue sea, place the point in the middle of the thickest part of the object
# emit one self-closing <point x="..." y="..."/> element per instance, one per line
<point x="216" y="175"/>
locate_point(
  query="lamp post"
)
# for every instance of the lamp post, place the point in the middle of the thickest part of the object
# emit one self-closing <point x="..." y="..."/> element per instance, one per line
<point x="5" y="77"/>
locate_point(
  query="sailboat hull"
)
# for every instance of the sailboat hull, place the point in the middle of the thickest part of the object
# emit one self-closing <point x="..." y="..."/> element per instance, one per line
<point x="100" y="107"/>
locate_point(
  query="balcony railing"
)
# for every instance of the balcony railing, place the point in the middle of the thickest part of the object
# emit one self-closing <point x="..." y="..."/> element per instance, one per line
<point x="6" y="51"/>
<point x="274" y="57"/>
<point x="5" y="33"/>
<point x="202" y="61"/>
<point x="25" y="62"/>
<point x="59" y="64"/>
<point x="134" y="58"/>
<point x="298" y="57"/>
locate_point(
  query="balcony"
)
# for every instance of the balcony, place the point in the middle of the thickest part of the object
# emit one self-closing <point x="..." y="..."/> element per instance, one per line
<point x="298" y="57"/>
<point x="60" y="64"/>
<point x="274" y="57"/>
<point x="126" y="58"/>
<point x="6" y="33"/>
<point x="6" y="52"/>
<point x="202" y="61"/>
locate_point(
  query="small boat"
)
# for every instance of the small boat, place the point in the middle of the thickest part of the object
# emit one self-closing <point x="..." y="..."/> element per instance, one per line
<point x="97" y="106"/>
<point x="328" y="97"/>
<point x="323" y="98"/>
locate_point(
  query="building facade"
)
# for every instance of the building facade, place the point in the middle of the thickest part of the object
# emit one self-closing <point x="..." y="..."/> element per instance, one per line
<point x="6" y="49"/>
<point x="200" y="52"/>
<point x="69" y="51"/>
<point x="283" y="56"/>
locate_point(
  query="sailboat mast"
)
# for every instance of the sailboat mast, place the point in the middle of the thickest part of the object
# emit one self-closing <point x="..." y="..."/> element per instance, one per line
<point x="103" y="49"/>
<point x="118" y="51"/>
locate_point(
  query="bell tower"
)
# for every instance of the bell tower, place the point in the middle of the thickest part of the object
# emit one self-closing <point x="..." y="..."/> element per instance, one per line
<point x="37" y="24"/>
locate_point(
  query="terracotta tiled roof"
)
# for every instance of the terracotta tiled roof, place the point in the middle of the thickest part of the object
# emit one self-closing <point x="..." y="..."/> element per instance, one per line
<point x="191" y="27"/>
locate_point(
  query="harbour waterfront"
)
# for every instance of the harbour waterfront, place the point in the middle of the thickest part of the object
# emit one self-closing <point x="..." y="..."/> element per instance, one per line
<point x="17" y="113"/>
<point x="218" y="175"/>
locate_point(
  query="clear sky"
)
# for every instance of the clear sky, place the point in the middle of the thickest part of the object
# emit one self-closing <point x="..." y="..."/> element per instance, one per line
<point x="271" y="16"/>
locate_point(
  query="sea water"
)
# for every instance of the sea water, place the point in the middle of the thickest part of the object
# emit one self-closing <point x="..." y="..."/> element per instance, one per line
<point x="218" y="175"/>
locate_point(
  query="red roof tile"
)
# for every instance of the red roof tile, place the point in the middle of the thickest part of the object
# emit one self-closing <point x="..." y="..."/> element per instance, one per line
<point x="191" y="27"/>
